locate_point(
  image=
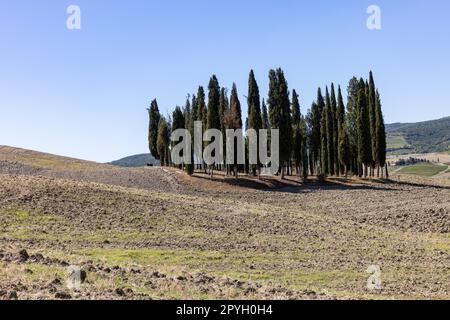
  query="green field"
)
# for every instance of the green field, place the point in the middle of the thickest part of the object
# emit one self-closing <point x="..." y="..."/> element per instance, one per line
<point x="423" y="169"/>
<point x="396" y="140"/>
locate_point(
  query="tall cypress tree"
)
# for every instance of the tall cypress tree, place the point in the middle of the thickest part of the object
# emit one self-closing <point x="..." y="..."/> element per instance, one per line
<point x="154" y="117"/>
<point x="315" y="135"/>
<point x="335" y="130"/>
<point x="194" y="105"/>
<point x="162" y="141"/>
<point x="201" y="106"/>
<point x="297" y="138"/>
<point x="285" y="123"/>
<point x="213" y="112"/>
<point x="265" y="117"/>
<point x="340" y="120"/>
<point x="351" y="119"/>
<point x="344" y="148"/>
<point x="324" y="143"/>
<point x="381" y="136"/>
<point x="254" y="112"/>
<point x="233" y="120"/>
<point x="329" y="133"/>
<point x="178" y="120"/>
<point x="223" y="109"/>
<point x="372" y="118"/>
<point x="364" y="140"/>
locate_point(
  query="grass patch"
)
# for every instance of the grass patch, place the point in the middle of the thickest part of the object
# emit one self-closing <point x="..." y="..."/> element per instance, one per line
<point x="423" y="169"/>
<point x="396" y="140"/>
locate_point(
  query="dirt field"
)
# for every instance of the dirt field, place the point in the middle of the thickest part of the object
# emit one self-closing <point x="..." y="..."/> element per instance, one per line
<point x="152" y="233"/>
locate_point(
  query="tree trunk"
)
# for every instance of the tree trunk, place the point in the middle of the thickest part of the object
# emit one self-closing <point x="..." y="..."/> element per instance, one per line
<point x="387" y="171"/>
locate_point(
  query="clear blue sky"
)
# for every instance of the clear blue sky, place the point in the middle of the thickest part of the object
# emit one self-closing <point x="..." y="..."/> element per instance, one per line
<point x="84" y="93"/>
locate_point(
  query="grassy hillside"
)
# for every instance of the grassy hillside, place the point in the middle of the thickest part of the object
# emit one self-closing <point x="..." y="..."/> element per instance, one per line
<point x="138" y="160"/>
<point x="421" y="137"/>
<point x="423" y="169"/>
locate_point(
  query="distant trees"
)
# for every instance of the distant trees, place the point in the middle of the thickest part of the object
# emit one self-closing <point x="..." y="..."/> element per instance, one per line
<point x="332" y="139"/>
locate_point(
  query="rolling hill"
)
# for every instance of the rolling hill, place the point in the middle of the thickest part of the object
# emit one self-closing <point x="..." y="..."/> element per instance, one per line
<point x="420" y="137"/>
<point x="138" y="160"/>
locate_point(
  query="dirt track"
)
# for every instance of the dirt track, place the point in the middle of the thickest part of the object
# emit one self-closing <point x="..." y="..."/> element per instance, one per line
<point x="151" y="233"/>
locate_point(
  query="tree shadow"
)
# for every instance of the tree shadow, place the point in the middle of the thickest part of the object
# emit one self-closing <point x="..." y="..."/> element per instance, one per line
<point x="289" y="185"/>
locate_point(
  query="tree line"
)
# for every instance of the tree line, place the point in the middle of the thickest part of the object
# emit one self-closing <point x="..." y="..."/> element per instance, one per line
<point x="331" y="139"/>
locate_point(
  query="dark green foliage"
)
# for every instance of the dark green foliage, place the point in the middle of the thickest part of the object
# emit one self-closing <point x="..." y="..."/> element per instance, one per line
<point x="253" y="102"/>
<point x="344" y="148"/>
<point x="213" y="113"/>
<point x="235" y="117"/>
<point x="380" y="134"/>
<point x="163" y="142"/>
<point x="372" y="117"/>
<point x="178" y="120"/>
<point x="154" y="117"/>
<point x="324" y="143"/>
<point x="265" y="117"/>
<point x="329" y="133"/>
<point x="364" y="139"/>
<point x="340" y="121"/>
<point x="316" y="132"/>
<point x="297" y="131"/>
<point x="335" y="129"/>
<point x="201" y="106"/>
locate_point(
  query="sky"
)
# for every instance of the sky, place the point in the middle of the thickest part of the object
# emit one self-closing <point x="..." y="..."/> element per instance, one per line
<point x="84" y="93"/>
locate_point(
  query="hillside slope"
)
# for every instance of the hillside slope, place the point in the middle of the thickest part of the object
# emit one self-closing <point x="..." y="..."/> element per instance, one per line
<point x="138" y="160"/>
<point x="421" y="137"/>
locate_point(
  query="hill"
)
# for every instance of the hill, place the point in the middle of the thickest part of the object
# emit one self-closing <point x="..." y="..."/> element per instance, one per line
<point x="138" y="160"/>
<point x="420" y="137"/>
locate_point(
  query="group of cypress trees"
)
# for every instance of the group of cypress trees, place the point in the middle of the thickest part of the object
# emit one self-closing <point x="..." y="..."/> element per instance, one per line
<point x="332" y="139"/>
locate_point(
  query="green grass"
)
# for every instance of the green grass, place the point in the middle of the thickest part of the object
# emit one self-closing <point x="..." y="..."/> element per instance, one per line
<point x="423" y="169"/>
<point x="396" y="140"/>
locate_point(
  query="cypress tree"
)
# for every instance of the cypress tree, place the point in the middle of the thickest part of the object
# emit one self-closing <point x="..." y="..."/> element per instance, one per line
<point x="235" y="108"/>
<point x="233" y="120"/>
<point x="335" y="130"/>
<point x="381" y="136"/>
<point x="364" y="140"/>
<point x="254" y="112"/>
<point x="194" y="105"/>
<point x="285" y="124"/>
<point x="315" y="135"/>
<point x="201" y="106"/>
<point x="340" y="119"/>
<point x="224" y="109"/>
<point x="213" y="112"/>
<point x="178" y="120"/>
<point x="351" y="119"/>
<point x="162" y="141"/>
<point x="265" y="116"/>
<point x="154" y="117"/>
<point x="329" y="133"/>
<point x="324" y="143"/>
<point x="297" y="138"/>
<point x="202" y="113"/>
<point x="344" y="150"/>
<point x="372" y="119"/>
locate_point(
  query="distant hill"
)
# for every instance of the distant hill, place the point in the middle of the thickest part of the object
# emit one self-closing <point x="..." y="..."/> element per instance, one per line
<point x="420" y="137"/>
<point x="138" y="160"/>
